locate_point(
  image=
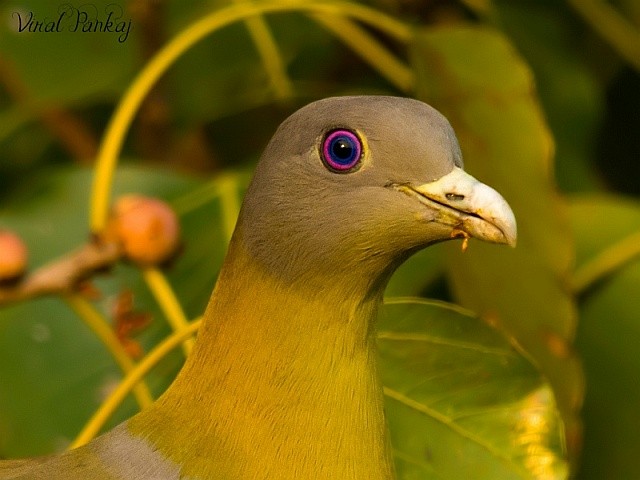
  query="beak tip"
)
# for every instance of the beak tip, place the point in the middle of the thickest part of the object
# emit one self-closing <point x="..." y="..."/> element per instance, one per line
<point x="511" y="230"/>
<point x="512" y="241"/>
<point x="499" y="226"/>
<point x="508" y="227"/>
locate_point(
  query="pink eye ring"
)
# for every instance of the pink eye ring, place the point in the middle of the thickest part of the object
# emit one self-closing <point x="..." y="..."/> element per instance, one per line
<point x="341" y="150"/>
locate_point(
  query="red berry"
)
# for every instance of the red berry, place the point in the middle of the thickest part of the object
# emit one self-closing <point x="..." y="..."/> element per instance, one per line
<point x="147" y="229"/>
<point x="13" y="255"/>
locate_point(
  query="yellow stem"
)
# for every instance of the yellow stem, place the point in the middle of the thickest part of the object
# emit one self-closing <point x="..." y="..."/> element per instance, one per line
<point x="96" y="322"/>
<point x="225" y="185"/>
<point x="166" y="298"/>
<point x="606" y="262"/>
<point x="372" y="51"/>
<point x="229" y="203"/>
<point x="271" y="58"/>
<point x="612" y="27"/>
<point x="123" y="116"/>
<point x="116" y="397"/>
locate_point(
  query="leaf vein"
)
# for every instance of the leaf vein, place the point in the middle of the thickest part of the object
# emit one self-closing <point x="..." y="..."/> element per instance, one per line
<point x="422" y="337"/>
<point x="439" y="417"/>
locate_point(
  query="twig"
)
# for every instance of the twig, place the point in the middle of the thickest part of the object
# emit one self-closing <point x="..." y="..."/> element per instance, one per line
<point x="64" y="275"/>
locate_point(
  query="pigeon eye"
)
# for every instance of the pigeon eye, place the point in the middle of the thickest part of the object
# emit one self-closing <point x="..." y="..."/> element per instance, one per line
<point x="341" y="150"/>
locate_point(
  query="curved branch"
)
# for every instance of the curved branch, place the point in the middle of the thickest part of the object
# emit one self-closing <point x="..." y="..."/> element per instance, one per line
<point x="128" y="106"/>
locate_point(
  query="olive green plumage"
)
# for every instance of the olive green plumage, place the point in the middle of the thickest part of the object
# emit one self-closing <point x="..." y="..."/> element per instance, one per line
<point x="282" y="382"/>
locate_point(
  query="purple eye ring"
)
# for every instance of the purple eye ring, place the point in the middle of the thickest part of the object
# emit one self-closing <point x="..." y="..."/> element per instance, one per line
<point x="341" y="150"/>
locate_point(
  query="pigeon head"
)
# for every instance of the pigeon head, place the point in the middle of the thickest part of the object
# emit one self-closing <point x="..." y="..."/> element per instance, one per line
<point x="351" y="186"/>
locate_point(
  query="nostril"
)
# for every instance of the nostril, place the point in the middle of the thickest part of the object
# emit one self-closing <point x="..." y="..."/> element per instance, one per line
<point x="454" y="196"/>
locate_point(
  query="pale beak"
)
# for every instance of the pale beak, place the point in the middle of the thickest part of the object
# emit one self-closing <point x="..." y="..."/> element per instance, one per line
<point x="470" y="207"/>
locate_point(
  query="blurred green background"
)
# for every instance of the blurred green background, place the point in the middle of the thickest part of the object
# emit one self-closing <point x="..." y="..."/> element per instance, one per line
<point x="544" y="96"/>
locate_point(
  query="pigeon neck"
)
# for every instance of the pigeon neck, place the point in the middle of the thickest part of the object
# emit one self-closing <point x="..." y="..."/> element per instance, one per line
<point x="282" y="382"/>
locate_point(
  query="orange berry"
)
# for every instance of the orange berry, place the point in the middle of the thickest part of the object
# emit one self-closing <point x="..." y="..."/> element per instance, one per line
<point x="13" y="255"/>
<point x="147" y="229"/>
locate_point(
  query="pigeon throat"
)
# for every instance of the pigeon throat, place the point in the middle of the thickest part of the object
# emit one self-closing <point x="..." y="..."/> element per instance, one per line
<point x="281" y="382"/>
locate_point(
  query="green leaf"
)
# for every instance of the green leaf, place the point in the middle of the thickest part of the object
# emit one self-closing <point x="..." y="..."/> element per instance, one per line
<point x="49" y="356"/>
<point x="608" y="337"/>
<point x="461" y="401"/>
<point x="477" y="80"/>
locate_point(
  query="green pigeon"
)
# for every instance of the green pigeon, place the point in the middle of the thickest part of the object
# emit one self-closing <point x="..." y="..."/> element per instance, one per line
<point x="282" y="382"/>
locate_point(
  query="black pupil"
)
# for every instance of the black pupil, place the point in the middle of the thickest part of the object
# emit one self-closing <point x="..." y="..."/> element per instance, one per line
<point x="342" y="149"/>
